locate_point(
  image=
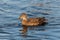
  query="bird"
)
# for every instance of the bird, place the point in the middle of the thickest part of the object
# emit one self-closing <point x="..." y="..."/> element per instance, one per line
<point x="34" y="21"/>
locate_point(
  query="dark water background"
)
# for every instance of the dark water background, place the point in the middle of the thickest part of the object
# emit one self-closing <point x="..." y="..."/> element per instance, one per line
<point x="10" y="25"/>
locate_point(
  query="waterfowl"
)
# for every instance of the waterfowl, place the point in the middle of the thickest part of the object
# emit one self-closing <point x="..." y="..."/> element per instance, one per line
<point x="31" y="21"/>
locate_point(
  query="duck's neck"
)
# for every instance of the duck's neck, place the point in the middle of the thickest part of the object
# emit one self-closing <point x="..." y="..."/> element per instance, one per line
<point x="25" y="19"/>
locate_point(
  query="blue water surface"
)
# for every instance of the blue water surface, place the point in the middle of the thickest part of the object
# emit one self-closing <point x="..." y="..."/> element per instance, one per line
<point x="11" y="28"/>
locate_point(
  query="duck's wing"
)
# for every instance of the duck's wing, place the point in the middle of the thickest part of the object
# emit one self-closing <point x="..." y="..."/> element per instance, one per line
<point x="34" y="19"/>
<point x="37" y="19"/>
<point x="42" y="20"/>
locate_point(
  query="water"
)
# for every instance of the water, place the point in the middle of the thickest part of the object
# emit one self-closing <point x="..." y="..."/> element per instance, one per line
<point x="10" y="26"/>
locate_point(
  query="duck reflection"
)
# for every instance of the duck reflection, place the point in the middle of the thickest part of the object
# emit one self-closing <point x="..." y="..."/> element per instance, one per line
<point x="26" y="28"/>
<point x="24" y="31"/>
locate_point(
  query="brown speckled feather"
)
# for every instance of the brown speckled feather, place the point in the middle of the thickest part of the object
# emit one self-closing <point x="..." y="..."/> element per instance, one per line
<point x="31" y="21"/>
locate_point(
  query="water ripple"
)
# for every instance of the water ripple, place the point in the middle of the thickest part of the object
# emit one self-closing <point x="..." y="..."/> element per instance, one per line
<point x="10" y="25"/>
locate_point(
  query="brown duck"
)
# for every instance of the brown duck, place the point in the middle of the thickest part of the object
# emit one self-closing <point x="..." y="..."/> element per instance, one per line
<point x="31" y="21"/>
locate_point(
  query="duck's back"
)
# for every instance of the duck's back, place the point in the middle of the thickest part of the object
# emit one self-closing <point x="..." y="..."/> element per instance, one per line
<point x="37" y="19"/>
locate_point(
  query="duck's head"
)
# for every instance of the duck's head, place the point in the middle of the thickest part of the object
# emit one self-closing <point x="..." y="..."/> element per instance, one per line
<point x="23" y="16"/>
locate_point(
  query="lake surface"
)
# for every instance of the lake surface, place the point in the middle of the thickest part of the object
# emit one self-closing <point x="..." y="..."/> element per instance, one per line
<point x="11" y="28"/>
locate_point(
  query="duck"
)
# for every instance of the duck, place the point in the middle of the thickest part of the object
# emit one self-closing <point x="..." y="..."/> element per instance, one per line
<point x="34" y="21"/>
